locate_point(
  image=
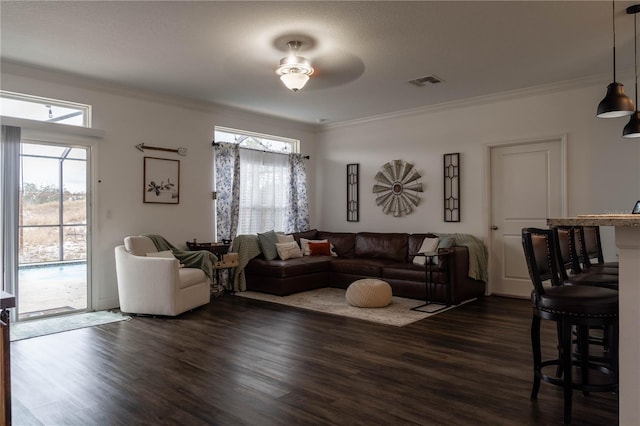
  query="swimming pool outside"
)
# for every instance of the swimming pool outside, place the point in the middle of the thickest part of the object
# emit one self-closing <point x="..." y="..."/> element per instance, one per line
<point x="49" y="289"/>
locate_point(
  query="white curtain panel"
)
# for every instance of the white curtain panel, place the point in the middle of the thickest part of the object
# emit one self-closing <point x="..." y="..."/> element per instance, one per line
<point x="264" y="191"/>
<point x="10" y="184"/>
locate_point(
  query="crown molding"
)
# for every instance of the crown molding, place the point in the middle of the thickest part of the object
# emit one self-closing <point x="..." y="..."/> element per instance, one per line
<point x="478" y="100"/>
<point x="56" y="76"/>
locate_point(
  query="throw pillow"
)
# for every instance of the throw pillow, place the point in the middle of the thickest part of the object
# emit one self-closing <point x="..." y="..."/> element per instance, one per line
<point x="285" y="238"/>
<point x="445" y="242"/>
<point x="319" y="249"/>
<point x="304" y="245"/>
<point x="267" y="242"/>
<point x="168" y="254"/>
<point x="428" y="245"/>
<point x="288" y="250"/>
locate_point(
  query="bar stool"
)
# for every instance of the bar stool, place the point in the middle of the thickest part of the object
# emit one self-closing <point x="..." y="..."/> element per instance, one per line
<point x="567" y="255"/>
<point x="589" y="245"/>
<point x="570" y="306"/>
<point x="568" y="239"/>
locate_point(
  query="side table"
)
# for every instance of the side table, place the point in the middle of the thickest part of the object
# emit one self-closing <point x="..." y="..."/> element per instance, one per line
<point x="220" y="250"/>
<point x="429" y="265"/>
<point x="216" y="248"/>
<point x="229" y="261"/>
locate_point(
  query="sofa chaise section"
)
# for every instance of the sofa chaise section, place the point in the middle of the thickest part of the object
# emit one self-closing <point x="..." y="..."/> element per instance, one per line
<point x="284" y="277"/>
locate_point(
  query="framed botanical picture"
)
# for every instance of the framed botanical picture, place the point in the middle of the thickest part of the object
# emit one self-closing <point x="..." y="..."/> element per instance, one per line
<point x="161" y="181"/>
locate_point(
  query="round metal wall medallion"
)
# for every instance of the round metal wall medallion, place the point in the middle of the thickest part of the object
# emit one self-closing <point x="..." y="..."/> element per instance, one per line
<point x="397" y="188"/>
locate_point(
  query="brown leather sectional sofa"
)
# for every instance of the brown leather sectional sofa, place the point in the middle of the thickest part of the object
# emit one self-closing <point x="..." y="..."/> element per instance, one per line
<point x="387" y="256"/>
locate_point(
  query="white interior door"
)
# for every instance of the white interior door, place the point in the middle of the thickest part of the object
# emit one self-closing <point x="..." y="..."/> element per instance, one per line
<point x="527" y="187"/>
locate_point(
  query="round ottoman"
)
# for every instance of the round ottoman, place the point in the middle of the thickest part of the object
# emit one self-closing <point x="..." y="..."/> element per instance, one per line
<point x="369" y="293"/>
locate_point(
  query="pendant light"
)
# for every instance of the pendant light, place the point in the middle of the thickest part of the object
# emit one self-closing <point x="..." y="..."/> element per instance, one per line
<point x="615" y="103"/>
<point x="632" y="129"/>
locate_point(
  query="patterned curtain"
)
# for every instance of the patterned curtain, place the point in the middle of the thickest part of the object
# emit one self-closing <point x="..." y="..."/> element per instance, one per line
<point x="227" y="178"/>
<point x="297" y="216"/>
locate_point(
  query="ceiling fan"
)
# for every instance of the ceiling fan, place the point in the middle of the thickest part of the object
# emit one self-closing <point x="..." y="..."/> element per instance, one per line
<point x="308" y="63"/>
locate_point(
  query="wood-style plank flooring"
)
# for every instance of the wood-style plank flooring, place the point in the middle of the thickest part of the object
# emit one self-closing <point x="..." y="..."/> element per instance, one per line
<point x="246" y="362"/>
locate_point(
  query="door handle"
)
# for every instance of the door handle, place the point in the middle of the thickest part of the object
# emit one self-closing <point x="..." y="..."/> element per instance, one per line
<point x="494" y="228"/>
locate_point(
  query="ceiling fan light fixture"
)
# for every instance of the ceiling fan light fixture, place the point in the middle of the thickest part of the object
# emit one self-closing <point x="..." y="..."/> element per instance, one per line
<point x="294" y="70"/>
<point x="294" y="80"/>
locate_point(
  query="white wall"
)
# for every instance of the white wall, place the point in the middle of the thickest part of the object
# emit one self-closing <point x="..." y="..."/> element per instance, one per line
<point x="603" y="168"/>
<point x="130" y="118"/>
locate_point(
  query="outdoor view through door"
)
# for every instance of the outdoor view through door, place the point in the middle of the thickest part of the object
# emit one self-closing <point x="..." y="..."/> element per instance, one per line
<point x="53" y="211"/>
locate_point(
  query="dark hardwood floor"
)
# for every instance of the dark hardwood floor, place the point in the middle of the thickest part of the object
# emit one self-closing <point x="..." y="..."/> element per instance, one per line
<point x="244" y="362"/>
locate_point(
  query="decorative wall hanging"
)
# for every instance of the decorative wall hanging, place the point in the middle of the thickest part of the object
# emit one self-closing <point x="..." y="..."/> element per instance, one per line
<point x="397" y="188"/>
<point x="179" y="151"/>
<point x="452" y="187"/>
<point x="353" y="195"/>
<point x="161" y="181"/>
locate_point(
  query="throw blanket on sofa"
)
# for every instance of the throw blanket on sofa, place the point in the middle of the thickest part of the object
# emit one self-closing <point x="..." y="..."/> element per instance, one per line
<point x="201" y="259"/>
<point x="247" y="248"/>
<point x="478" y="257"/>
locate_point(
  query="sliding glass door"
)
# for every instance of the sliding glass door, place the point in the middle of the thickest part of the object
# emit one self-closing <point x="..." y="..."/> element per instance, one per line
<point x="53" y="230"/>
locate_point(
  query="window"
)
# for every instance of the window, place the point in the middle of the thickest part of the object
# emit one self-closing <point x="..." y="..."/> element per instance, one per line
<point x="43" y="109"/>
<point x="257" y="141"/>
<point x="264" y="179"/>
<point x="264" y="191"/>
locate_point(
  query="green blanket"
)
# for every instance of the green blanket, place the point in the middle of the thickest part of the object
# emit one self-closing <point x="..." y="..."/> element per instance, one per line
<point x="478" y="256"/>
<point x="201" y="259"/>
<point x="247" y="248"/>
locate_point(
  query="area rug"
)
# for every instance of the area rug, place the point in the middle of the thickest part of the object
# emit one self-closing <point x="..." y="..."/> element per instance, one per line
<point x="332" y="301"/>
<point x="35" y="328"/>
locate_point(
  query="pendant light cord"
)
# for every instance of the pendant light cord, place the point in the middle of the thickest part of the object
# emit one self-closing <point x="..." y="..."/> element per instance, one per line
<point x="613" y="21"/>
<point x="635" y="53"/>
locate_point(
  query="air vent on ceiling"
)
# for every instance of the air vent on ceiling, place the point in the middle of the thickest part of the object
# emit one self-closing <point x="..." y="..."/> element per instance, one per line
<point x="422" y="81"/>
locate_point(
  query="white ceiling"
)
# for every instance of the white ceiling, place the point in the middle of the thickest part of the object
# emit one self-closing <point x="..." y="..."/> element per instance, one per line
<point x="364" y="52"/>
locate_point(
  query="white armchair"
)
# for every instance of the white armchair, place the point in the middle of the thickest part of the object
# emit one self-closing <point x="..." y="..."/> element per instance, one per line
<point x="156" y="285"/>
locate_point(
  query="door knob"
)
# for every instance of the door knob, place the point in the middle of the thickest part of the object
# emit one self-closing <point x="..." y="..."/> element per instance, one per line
<point x="494" y="228"/>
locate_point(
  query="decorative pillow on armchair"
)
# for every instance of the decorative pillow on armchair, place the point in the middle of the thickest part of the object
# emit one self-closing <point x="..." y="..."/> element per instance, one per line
<point x="166" y="254"/>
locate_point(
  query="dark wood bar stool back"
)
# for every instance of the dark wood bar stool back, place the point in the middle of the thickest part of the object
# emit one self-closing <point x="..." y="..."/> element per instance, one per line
<point x="570" y="306"/>
<point x="590" y="251"/>
<point x="568" y="259"/>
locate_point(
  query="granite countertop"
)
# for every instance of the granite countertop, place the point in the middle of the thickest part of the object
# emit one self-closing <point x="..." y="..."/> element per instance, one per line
<point x="597" y="220"/>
